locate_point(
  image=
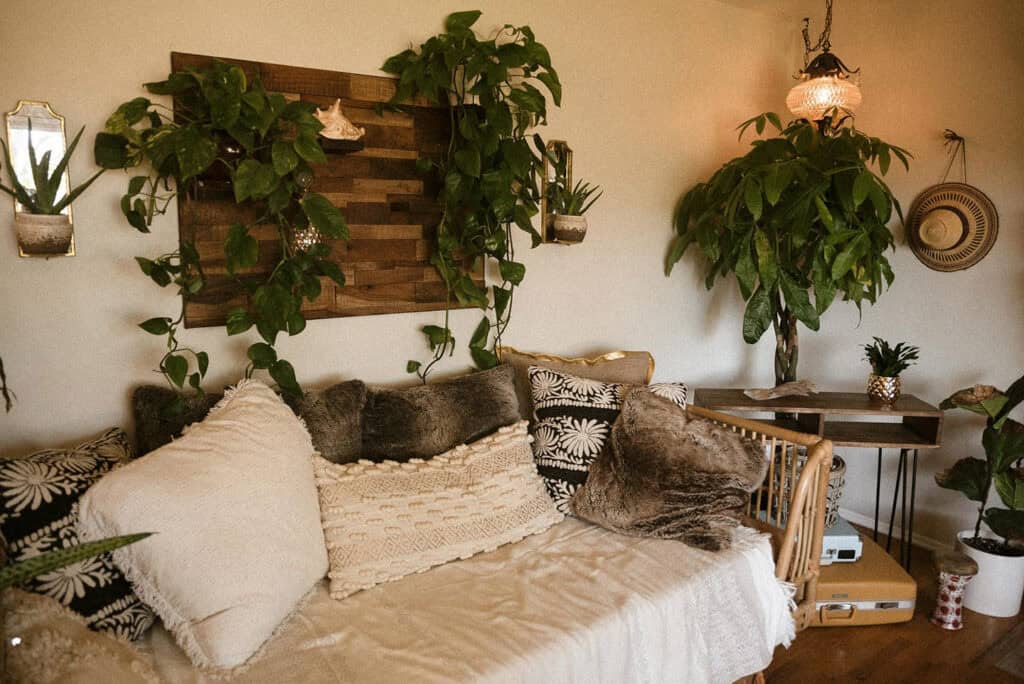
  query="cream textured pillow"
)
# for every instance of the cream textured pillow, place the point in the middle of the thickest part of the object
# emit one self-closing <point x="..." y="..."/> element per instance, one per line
<point x="383" y="521"/>
<point x="234" y="507"/>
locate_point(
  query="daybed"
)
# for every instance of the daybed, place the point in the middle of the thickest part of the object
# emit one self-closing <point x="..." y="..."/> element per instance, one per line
<point x="576" y="603"/>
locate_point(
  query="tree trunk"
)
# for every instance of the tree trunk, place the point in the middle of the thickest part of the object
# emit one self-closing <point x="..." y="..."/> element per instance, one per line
<point x="787" y="347"/>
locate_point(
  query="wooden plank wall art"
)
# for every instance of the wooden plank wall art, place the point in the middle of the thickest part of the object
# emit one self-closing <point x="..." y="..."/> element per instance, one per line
<point x="391" y="208"/>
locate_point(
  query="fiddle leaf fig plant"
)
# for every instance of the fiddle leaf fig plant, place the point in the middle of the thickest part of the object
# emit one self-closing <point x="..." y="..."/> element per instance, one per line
<point x="224" y="125"/>
<point x="798" y="219"/>
<point x="489" y="170"/>
<point x="1003" y="466"/>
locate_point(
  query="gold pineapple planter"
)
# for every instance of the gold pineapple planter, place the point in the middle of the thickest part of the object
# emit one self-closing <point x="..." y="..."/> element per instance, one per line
<point x="885" y="389"/>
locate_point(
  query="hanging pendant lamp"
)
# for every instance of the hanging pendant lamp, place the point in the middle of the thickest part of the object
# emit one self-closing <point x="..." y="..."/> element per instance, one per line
<point x="826" y="84"/>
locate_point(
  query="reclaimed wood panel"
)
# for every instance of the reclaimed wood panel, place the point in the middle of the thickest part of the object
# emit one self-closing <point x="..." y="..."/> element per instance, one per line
<point x="390" y="207"/>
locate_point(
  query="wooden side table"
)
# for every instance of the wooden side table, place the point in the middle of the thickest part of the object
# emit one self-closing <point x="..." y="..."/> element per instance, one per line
<point x="828" y="415"/>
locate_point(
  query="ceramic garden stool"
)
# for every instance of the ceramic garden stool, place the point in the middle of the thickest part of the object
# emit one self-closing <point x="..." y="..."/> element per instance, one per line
<point x="955" y="571"/>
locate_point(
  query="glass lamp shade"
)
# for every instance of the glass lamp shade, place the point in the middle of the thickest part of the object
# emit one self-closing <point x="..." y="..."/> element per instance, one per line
<point x="813" y="98"/>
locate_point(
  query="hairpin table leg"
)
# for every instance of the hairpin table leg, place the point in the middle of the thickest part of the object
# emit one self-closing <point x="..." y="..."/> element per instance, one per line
<point x="913" y="493"/>
<point x="895" y="497"/>
<point x="878" y="494"/>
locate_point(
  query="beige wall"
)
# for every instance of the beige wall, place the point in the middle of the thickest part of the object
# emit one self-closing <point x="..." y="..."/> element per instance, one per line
<point x="653" y="91"/>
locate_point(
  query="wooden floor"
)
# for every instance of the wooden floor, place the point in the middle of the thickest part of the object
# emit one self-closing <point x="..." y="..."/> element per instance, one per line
<point x="915" y="651"/>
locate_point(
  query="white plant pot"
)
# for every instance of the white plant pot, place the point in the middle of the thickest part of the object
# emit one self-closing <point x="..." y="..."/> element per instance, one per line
<point x="999" y="585"/>
<point x="570" y="228"/>
<point x="42" y="234"/>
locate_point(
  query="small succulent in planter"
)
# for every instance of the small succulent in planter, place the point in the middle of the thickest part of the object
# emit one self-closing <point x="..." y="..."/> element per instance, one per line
<point x="887" y="362"/>
<point x="44" y="228"/>
<point x="570" y="205"/>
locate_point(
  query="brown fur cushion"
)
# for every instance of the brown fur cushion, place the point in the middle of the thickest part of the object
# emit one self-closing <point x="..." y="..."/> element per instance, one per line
<point x="666" y="474"/>
<point x="427" y="420"/>
<point x="156" y="424"/>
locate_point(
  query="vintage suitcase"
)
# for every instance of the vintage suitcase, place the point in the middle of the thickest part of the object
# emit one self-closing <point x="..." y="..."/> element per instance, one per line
<point x="874" y="590"/>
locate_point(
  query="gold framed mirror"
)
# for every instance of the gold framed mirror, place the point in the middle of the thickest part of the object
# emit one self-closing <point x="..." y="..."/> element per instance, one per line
<point x="35" y="123"/>
<point x="557" y="174"/>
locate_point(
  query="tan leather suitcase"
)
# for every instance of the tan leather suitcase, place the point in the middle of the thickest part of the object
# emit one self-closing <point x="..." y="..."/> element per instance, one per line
<point x="875" y="590"/>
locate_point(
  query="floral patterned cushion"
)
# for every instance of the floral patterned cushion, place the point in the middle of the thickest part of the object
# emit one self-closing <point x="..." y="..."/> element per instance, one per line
<point x="39" y="512"/>
<point x="574" y="417"/>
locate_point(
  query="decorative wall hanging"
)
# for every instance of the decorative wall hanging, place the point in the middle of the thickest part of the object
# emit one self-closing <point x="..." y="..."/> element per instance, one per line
<point x="826" y="84"/>
<point x="37" y="156"/>
<point x="952" y="226"/>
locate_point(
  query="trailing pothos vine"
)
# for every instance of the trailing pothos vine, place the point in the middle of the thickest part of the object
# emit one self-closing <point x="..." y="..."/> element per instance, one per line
<point x="224" y="125"/>
<point x="489" y="171"/>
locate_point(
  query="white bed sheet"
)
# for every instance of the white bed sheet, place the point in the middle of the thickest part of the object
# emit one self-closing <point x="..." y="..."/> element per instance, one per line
<point x="575" y="604"/>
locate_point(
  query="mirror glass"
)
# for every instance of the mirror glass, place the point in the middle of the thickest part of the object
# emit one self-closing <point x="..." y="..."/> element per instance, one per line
<point x="557" y="177"/>
<point x="47" y="135"/>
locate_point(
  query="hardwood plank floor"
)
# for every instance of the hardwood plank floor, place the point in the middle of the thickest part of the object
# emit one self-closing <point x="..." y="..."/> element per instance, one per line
<point x="914" y="651"/>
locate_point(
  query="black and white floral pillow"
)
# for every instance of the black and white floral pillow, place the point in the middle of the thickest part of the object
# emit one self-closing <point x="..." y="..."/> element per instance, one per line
<point x="573" y="417"/>
<point x="39" y="512"/>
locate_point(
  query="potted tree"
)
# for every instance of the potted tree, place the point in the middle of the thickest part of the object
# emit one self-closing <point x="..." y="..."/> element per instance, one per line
<point x="999" y="586"/>
<point x="887" y="362"/>
<point x="43" y="228"/>
<point x="799" y="213"/>
<point x="570" y="224"/>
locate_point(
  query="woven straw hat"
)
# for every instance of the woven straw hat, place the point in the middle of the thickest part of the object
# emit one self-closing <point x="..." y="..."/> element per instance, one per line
<point x="952" y="226"/>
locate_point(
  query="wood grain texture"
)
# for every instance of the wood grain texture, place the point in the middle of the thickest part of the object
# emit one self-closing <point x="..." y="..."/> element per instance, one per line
<point x="391" y="208"/>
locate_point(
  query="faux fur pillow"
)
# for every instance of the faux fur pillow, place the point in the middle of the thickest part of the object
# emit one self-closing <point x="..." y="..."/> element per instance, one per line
<point x="334" y="418"/>
<point x="666" y="474"/>
<point x="383" y="521"/>
<point x="424" y="421"/>
<point x="156" y="425"/>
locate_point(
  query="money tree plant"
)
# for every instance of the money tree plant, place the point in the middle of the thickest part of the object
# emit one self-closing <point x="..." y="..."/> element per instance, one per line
<point x="800" y="219"/>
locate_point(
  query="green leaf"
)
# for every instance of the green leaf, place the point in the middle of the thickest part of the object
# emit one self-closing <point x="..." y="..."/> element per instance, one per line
<point x="468" y="161"/>
<point x="176" y="367"/>
<point x="757" y="317"/>
<point x="824" y="214"/>
<point x="752" y="198"/>
<point x="296" y="321"/>
<point x="1007" y="524"/>
<point x="262" y="355"/>
<point x="1010" y="487"/>
<point x="862" y="187"/>
<point x="480" y="335"/>
<point x="202" y="362"/>
<point x="968" y="476"/>
<point x="512" y="271"/>
<point x="136" y="183"/>
<point x="457" y="21"/>
<point x="798" y="301"/>
<point x="110" y="151"/>
<point x="194" y="150"/>
<point x="241" y="249"/>
<point x="438" y="336"/>
<point x="746" y="272"/>
<point x="156" y="326"/>
<point x="253" y="180"/>
<point x="824" y="286"/>
<point x="327" y="218"/>
<point x="554" y="86"/>
<point x="332" y="271"/>
<point x="238" y="321"/>
<point x="308" y="147"/>
<point x="502" y="297"/>
<point x="22" y="571"/>
<point x="483" y="358"/>
<point x="284" y="157"/>
<point x="1002" y="448"/>
<point x="412" y="366"/>
<point x="847" y="258"/>
<point x="284" y="375"/>
<point x="767" y="267"/>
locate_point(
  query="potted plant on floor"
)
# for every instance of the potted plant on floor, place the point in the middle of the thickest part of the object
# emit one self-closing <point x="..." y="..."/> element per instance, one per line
<point x="999" y="586"/>
<point x="43" y="227"/>
<point x="887" y="362"/>
<point x="570" y="224"/>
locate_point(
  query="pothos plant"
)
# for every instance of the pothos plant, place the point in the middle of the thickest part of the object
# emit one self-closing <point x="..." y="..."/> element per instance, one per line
<point x="266" y="147"/>
<point x="489" y="171"/>
<point x="799" y="213"/>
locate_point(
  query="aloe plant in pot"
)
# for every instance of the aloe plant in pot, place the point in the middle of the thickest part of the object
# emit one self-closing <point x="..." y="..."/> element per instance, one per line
<point x="887" y="363"/>
<point x="570" y="205"/>
<point x="999" y="586"/>
<point x="44" y="228"/>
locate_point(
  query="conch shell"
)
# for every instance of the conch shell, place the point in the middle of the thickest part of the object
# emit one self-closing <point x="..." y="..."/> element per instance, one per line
<point x="336" y="125"/>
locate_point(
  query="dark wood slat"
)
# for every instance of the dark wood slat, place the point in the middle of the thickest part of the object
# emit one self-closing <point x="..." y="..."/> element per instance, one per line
<point x="823" y="402"/>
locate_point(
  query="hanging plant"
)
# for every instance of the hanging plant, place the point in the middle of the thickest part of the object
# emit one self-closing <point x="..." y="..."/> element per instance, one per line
<point x="799" y="213"/>
<point x="489" y="171"/>
<point x="266" y="147"/>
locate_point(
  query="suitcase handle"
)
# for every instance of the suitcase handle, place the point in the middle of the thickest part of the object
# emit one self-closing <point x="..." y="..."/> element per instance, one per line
<point x="830" y="613"/>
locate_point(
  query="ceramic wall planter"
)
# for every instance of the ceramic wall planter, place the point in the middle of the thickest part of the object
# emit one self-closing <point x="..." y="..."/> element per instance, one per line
<point x="43" y="235"/>
<point x="885" y="389"/>
<point x="570" y="228"/>
<point x="999" y="585"/>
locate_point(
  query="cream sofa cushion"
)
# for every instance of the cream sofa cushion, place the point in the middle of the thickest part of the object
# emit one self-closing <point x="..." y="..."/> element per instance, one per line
<point x="234" y="507"/>
<point x="383" y="521"/>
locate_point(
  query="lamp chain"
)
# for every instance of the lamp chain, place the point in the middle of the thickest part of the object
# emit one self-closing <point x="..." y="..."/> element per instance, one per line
<point x="824" y="40"/>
